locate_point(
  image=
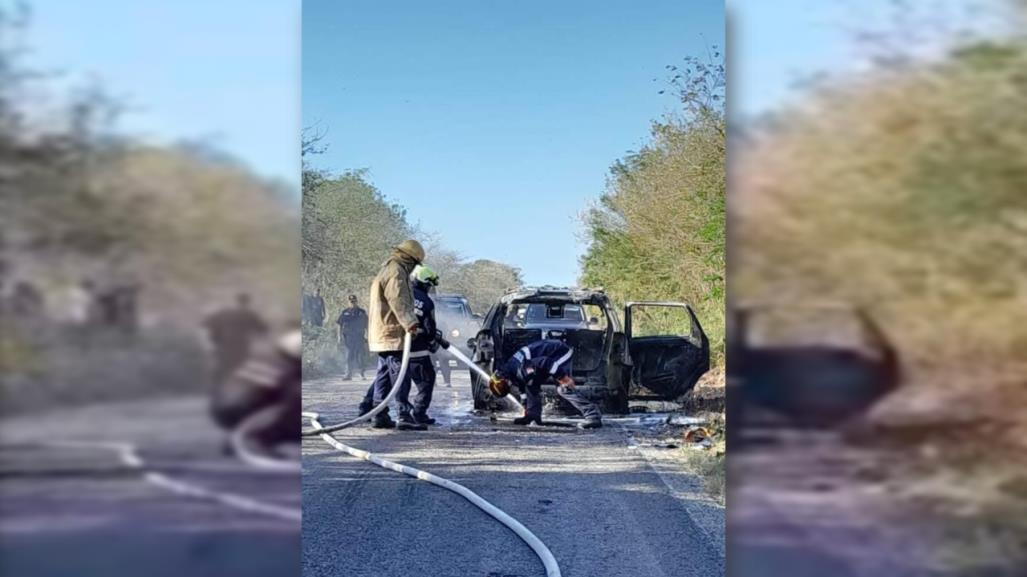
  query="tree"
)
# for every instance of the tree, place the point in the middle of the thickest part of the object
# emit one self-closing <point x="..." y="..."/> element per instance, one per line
<point x="349" y="229"/>
<point x="658" y="232"/>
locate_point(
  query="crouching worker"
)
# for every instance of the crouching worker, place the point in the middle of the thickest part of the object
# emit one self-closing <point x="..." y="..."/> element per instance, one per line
<point x="261" y="400"/>
<point x="533" y="365"/>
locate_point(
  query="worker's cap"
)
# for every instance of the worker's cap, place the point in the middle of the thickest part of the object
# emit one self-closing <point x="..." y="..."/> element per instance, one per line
<point x="352" y="298"/>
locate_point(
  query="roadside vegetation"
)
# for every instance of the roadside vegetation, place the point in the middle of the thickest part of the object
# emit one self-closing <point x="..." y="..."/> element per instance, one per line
<point x="904" y="189"/>
<point x="349" y="229"/>
<point x="658" y="231"/>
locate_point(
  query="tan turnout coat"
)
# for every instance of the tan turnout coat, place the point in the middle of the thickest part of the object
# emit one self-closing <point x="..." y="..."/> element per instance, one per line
<point x="391" y="307"/>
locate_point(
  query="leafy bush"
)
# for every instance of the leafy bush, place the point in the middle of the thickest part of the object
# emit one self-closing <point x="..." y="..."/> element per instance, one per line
<point x="658" y="232"/>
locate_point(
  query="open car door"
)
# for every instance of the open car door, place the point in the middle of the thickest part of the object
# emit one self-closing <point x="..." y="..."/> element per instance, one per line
<point x="665" y="363"/>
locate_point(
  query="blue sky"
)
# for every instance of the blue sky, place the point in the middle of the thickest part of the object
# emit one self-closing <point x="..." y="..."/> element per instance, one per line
<point x="775" y="45"/>
<point x="494" y="123"/>
<point x="224" y="72"/>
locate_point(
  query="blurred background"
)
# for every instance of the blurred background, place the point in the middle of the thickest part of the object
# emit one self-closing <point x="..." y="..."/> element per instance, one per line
<point x="877" y="251"/>
<point x="149" y="239"/>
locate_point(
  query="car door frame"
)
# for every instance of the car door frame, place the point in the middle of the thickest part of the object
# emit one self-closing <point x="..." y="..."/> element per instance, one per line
<point x="697" y="336"/>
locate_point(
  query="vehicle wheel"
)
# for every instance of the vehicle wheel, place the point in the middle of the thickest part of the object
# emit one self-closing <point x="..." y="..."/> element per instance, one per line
<point x="480" y="390"/>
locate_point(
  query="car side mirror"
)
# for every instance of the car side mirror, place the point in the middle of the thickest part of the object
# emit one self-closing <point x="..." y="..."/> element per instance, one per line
<point x="471" y="343"/>
<point x="593" y="321"/>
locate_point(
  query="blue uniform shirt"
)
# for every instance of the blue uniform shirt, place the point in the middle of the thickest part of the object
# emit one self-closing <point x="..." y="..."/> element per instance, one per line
<point x="424" y="308"/>
<point x="352" y="322"/>
<point x="548" y="358"/>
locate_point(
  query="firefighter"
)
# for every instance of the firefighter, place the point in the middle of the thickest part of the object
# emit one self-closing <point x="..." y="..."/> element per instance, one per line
<point x="264" y="394"/>
<point x="391" y="316"/>
<point x="427" y="342"/>
<point x="421" y="366"/>
<point x="530" y="367"/>
<point x="352" y="323"/>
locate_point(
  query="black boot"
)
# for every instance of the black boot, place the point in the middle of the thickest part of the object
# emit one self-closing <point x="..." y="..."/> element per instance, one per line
<point x="526" y="420"/>
<point x="423" y="419"/>
<point x="383" y="421"/>
<point x="410" y="425"/>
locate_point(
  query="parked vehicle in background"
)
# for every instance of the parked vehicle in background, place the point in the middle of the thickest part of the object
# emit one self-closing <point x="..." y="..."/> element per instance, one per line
<point x="660" y="351"/>
<point x="457" y="322"/>
<point x="455" y="318"/>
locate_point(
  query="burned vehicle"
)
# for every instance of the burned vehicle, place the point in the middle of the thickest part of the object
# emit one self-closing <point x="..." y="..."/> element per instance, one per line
<point x="810" y="366"/>
<point x="610" y="363"/>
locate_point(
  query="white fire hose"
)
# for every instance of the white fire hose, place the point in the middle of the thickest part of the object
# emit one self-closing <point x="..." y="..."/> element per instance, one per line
<point x="540" y="549"/>
<point x="481" y="372"/>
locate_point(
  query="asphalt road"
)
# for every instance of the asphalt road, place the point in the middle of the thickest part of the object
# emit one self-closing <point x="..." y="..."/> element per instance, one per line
<point x="79" y="511"/>
<point x="592" y="497"/>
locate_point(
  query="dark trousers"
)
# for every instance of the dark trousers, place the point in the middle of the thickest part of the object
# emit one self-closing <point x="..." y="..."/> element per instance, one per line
<point x="533" y="405"/>
<point x="422" y="374"/>
<point x="354" y="354"/>
<point x="386" y="377"/>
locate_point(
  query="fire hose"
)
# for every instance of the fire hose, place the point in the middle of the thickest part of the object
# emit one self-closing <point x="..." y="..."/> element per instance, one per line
<point x="529" y="538"/>
<point x="481" y="372"/>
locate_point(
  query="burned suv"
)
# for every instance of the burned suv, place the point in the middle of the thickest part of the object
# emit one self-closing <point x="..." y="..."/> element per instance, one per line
<point x="610" y="363"/>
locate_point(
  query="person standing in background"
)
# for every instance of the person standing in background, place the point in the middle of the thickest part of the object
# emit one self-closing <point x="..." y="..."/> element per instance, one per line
<point x="353" y="335"/>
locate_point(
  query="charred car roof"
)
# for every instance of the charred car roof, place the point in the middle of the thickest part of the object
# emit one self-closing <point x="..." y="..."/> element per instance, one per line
<point x="555" y="294"/>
